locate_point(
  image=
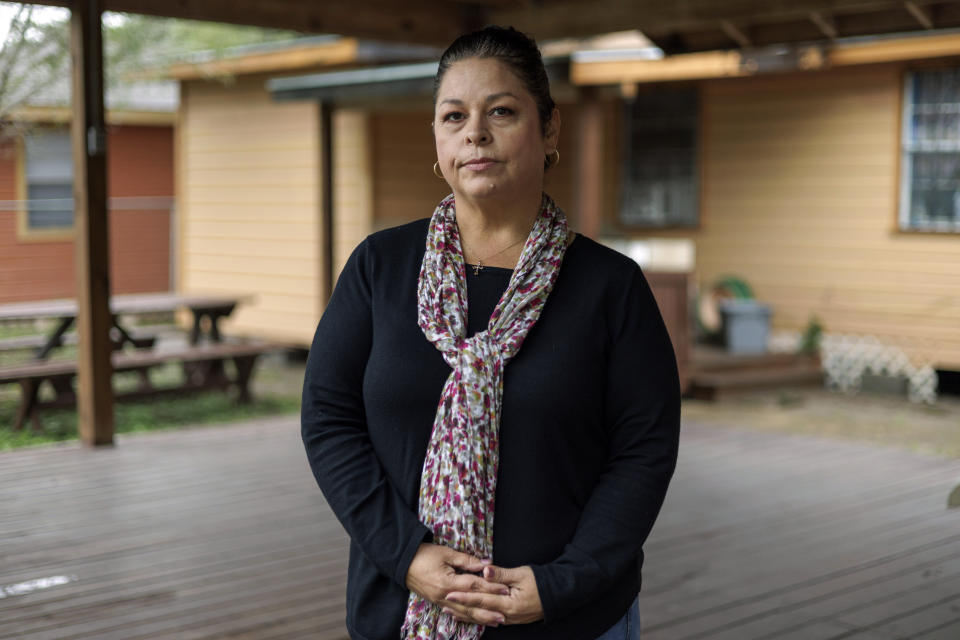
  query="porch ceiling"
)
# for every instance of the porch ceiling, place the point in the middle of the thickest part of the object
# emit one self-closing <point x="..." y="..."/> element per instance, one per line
<point x="677" y="27"/>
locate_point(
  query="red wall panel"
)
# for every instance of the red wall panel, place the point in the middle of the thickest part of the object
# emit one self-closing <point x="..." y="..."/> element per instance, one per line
<point x="140" y="164"/>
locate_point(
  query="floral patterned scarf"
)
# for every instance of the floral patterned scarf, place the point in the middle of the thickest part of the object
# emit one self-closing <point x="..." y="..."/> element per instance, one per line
<point x="459" y="479"/>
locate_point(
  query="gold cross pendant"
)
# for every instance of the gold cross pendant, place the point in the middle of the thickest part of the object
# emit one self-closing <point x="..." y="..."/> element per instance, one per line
<point x="477" y="268"/>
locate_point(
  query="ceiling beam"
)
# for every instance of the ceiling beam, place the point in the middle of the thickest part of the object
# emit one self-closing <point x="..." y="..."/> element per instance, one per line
<point x="727" y="64"/>
<point x="572" y="18"/>
<point x="922" y="16"/>
<point x="825" y="23"/>
<point x="888" y="21"/>
<point x="948" y="16"/>
<point x="416" y="21"/>
<point x="687" y="66"/>
<point x="735" y="34"/>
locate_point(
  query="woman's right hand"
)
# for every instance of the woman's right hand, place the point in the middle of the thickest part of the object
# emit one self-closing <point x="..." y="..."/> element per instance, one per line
<point x="437" y="570"/>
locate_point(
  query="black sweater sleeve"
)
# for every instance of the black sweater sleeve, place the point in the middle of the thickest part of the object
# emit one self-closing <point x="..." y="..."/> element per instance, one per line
<point x="334" y="429"/>
<point x="642" y="419"/>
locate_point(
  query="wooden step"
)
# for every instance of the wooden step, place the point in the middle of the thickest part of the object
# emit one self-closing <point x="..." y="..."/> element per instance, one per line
<point x="712" y="385"/>
<point x="713" y="359"/>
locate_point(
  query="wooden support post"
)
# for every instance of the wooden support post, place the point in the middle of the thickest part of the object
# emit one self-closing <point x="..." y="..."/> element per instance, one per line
<point x="244" y="366"/>
<point x="29" y="394"/>
<point x="590" y="164"/>
<point x="326" y="201"/>
<point x="92" y="249"/>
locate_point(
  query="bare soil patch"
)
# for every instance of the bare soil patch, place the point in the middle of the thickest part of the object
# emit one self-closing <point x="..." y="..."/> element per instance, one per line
<point x="885" y="420"/>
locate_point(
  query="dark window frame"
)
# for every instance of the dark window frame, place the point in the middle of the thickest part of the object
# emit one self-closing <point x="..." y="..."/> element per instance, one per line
<point x="660" y="160"/>
<point x="49" y="191"/>
<point x="936" y="158"/>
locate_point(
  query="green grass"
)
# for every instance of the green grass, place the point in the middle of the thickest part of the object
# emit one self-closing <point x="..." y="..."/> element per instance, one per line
<point x="30" y="328"/>
<point x="275" y="388"/>
<point x="15" y="330"/>
<point x="131" y="417"/>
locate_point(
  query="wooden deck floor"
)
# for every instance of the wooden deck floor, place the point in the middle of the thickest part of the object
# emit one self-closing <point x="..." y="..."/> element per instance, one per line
<point x="220" y="533"/>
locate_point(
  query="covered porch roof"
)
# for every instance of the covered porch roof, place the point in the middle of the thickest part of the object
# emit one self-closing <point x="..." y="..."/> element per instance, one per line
<point x="681" y="26"/>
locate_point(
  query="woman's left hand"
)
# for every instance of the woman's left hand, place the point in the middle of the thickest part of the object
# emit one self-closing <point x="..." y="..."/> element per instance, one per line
<point x="522" y="605"/>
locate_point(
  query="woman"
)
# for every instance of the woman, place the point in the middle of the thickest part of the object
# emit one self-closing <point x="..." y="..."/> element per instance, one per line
<point x="491" y="404"/>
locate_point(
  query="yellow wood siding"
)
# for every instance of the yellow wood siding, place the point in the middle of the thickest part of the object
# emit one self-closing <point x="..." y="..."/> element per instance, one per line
<point x="249" y="204"/>
<point x="249" y="201"/>
<point x="353" y="183"/>
<point x="404" y="188"/>
<point x="799" y="197"/>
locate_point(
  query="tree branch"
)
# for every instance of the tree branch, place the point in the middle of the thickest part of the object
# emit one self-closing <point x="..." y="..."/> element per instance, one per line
<point x="17" y="39"/>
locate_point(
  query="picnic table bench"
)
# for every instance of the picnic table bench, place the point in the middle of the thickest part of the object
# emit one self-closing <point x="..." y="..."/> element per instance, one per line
<point x="207" y="312"/>
<point x="205" y="374"/>
<point x="139" y="337"/>
<point x="202" y="358"/>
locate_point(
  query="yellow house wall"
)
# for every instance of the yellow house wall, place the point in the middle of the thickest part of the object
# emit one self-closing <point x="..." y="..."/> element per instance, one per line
<point x="799" y="195"/>
<point x="799" y="188"/>
<point x="353" y="183"/>
<point x="404" y="187"/>
<point x="249" y="206"/>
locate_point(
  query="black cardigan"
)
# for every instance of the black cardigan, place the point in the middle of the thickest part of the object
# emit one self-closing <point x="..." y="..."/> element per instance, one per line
<point x="588" y="436"/>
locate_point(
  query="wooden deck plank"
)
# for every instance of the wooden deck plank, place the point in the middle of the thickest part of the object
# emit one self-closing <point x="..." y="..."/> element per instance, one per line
<point x="780" y="534"/>
<point x="132" y="586"/>
<point x="226" y="604"/>
<point x="823" y="630"/>
<point x="220" y="532"/>
<point x="214" y="496"/>
<point x="704" y="604"/>
<point x="913" y="612"/>
<point x="790" y="615"/>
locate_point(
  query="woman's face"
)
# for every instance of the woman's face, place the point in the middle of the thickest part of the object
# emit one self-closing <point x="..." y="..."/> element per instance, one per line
<point x="489" y="140"/>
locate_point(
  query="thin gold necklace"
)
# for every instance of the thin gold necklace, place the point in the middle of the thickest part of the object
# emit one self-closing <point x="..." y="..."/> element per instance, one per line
<point x="477" y="268"/>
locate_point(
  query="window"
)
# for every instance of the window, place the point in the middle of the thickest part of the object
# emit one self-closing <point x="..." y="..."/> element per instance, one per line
<point x="48" y="170"/>
<point x="930" y="174"/>
<point x="660" y="186"/>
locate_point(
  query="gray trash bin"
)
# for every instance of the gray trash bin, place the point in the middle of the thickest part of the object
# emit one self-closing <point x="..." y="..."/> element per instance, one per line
<point x="746" y="325"/>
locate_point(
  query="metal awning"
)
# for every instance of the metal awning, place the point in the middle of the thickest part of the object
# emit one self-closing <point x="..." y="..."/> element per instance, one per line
<point x="357" y="84"/>
<point x="363" y="85"/>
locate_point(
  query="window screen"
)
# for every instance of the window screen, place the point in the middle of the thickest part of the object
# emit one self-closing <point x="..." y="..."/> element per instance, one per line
<point x="49" y="176"/>
<point x="660" y="186"/>
<point x="930" y="167"/>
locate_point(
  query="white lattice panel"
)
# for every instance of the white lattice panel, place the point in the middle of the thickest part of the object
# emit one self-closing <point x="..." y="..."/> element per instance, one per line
<point x="846" y="358"/>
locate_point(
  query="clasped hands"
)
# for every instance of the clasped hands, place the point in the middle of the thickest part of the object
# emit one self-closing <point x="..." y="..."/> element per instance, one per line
<point x="472" y="590"/>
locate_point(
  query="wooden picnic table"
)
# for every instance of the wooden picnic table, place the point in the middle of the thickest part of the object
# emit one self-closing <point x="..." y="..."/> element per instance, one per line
<point x="202" y="360"/>
<point x="202" y="307"/>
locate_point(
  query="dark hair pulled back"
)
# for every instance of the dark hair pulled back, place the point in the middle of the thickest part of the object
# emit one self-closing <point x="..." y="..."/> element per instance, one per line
<point x="511" y="47"/>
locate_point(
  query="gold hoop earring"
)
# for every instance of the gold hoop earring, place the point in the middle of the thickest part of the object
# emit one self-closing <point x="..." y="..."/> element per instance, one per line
<point x="553" y="163"/>
<point x="436" y="172"/>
